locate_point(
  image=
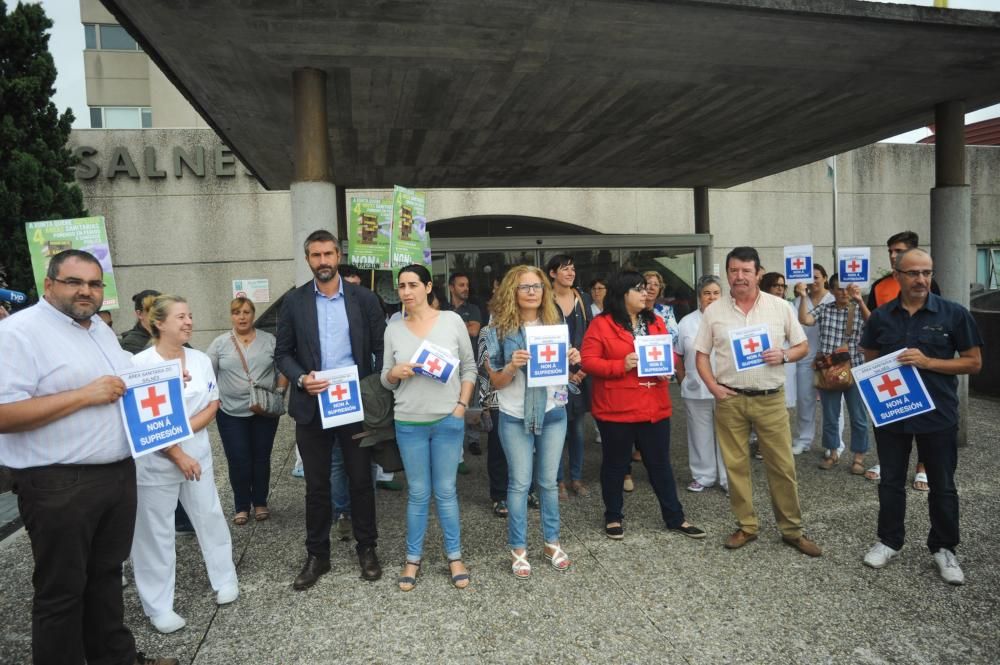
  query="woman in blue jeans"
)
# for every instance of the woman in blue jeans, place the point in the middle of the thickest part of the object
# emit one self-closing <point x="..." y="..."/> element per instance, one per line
<point x="247" y="437"/>
<point x="840" y="324"/>
<point x="431" y="396"/>
<point x="532" y="420"/>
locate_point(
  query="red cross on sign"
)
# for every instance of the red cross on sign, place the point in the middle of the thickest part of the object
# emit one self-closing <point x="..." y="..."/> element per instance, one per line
<point x="153" y="401"/>
<point x="889" y="385"/>
<point x="433" y="365"/>
<point x="750" y="345"/>
<point x="338" y="391"/>
<point x="854" y="266"/>
<point x="548" y="353"/>
<point x="798" y="263"/>
<point x="654" y="353"/>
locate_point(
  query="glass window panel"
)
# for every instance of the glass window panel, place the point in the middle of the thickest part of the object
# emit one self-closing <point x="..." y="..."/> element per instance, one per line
<point x="677" y="266"/>
<point x="589" y="263"/>
<point x="114" y="37"/>
<point x="482" y="268"/>
<point x="96" y="118"/>
<point x="90" y="35"/>
<point x="122" y="118"/>
<point x="147" y="118"/>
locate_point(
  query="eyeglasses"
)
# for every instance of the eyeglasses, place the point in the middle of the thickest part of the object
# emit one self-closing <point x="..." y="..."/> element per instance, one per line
<point x="75" y="283"/>
<point x="639" y="288"/>
<point x="781" y="286"/>
<point x="913" y="274"/>
<point x="599" y="288"/>
<point x="528" y="288"/>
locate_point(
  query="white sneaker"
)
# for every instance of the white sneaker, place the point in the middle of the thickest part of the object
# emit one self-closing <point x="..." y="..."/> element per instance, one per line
<point x="695" y="486"/>
<point x="840" y="449"/>
<point x="168" y="622"/>
<point x="227" y="594"/>
<point x="948" y="566"/>
<point x="800" y="448"/>
<point x="879" y="555"/>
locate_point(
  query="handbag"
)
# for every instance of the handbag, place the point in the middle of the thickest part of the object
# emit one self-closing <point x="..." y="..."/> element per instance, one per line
<point x="833" y="370"/>
<point x="263" y="401"/>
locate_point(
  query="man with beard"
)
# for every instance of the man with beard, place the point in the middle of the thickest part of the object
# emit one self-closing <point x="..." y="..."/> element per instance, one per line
<point x="329" y="323"/>
<point x="63" y="438"/>
<point x="754" y="397"/>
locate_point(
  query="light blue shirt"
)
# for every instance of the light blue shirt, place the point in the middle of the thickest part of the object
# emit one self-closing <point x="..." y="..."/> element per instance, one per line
<point x="44" y="352"/>
<point x="334" y="330"/>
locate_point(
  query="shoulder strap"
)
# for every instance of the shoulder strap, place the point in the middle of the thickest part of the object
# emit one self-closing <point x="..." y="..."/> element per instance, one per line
<point x="242" y="358"/>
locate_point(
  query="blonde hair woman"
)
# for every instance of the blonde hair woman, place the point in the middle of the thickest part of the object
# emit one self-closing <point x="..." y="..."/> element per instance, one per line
<point x="164" y="477"/>
<point x="532" y="420"/>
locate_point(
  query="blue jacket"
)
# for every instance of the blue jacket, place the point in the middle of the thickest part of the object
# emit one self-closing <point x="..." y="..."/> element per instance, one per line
<point x="500" y="352"/>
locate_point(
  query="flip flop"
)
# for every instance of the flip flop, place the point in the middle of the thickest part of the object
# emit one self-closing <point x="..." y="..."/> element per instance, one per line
<point x="921" y="478"/>
<point x="874" y="473"/>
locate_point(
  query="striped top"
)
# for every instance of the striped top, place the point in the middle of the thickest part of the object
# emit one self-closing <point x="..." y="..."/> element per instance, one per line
<point x="723" y="315"/>
<point x="46" y="352"/>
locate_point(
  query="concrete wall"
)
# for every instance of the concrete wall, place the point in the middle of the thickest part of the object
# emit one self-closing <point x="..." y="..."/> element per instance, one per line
<point x="193" y="235"/>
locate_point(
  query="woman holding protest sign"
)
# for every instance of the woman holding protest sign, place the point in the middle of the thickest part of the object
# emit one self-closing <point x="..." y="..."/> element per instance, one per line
<point x="429" y="364"/>
<point x="532" y="420"/>
<point x="183" y="471"/>
<point x="839" y="324"/>
<point x="243" y="359"/>
<point x="629" y="408"/>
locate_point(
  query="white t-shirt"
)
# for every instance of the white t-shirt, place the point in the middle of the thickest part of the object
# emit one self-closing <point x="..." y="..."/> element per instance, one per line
<point x="692" y="387"/>
<point x="200" y="391"/>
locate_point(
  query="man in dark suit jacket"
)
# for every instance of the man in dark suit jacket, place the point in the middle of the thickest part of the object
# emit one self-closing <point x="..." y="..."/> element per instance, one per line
<point x="329" y="323"/>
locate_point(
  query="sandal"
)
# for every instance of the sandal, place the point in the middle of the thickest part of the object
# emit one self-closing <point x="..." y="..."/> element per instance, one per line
<point x="500" y="508"/>
<point x="829" y="462"/>
<point x="579" y="488"/>
<point x="408" y="582"/>
<point x="922" y="479"/>
<point x="858" y="465"/>
<point x="614" y="530"/>
<point x="874" y="473"/>
<point x="460" y="580"/>
<point x="261" y="513"/>
<point x="241" y="518"/>
<point x="521" y="568"/>
<point x="559" y="558"/>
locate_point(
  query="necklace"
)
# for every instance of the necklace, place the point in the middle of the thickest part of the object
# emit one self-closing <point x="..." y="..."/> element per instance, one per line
<point x="246" y="339"/>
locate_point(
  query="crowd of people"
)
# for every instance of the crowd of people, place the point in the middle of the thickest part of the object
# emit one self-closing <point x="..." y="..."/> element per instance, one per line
<point x="87" y="505"/>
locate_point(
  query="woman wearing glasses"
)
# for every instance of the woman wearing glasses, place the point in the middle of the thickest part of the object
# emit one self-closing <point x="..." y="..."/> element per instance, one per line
<point x="532" y="421"/>
<point x="629" y="409"/>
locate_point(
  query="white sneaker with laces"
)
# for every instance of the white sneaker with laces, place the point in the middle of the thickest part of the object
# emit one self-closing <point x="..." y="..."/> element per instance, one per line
<point x="168" y="622"/>
<point x="948" y="566"/>
<point x="695" y="486"/>
<point x="227" y="594"/>
<point x="879" y="555"/>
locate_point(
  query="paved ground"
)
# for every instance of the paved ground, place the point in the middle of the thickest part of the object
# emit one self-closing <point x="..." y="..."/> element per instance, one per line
<point x="654" y="597"/>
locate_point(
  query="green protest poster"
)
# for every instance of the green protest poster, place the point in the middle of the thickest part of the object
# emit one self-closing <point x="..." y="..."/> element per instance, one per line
<point x="369" y="231"/>
<point x="411" y="243"/>
<point x="48" y="238"/>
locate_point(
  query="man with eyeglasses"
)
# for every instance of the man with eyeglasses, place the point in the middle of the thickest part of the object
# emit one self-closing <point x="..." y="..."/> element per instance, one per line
<point x="932" y="330"/>
<point x="63" y="438"/>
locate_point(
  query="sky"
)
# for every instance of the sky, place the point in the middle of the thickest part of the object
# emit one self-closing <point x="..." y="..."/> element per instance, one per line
<point x="66" y="44"/>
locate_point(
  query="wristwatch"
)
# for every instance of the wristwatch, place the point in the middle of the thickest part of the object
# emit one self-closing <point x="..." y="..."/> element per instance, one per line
<point x="298" y="382"/>
<point x="784" y="358"/>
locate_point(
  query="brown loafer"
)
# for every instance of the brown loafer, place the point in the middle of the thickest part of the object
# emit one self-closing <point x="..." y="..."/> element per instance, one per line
<point x="803" y="544"/>
<point x="739" y="538"/>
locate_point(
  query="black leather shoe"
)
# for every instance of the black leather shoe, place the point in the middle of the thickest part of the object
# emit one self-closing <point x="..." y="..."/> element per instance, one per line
<point x="371" y="569"/>
<point x="314" y="568"/>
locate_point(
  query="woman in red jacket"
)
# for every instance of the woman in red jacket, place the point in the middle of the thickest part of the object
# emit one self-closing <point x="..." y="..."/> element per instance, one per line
<point x="629" y="409"/>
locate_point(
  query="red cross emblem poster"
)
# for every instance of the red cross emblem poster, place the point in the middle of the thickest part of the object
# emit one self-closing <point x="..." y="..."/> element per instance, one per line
<point x="152" y="407"/>
<point x="748" y="345"/>
<point x="656" y="355"/>
<point x="798" y="263"/>
<point x="892" y="391"/>
<point x="853" y="265"/>
<point x="340" y="404"/>
<point x="434" y="362"/>
<point x="548" y="346"/>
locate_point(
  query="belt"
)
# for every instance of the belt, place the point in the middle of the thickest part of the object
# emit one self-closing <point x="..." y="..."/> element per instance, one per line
<point x="649" y="384"/>
<point x="753" y="393"/>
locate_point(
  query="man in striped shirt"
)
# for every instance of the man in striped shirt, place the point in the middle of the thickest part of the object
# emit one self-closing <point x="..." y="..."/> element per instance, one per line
<point x="63" y="438"/>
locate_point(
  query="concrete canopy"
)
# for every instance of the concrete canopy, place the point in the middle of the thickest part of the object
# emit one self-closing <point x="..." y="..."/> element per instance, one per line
<point x="568" y="93"/>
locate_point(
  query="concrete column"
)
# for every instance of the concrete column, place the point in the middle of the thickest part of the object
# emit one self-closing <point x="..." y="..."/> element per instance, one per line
<point x="703" y="225"/>
<point x="313" y="195"/>
<point x="951" y="224"/>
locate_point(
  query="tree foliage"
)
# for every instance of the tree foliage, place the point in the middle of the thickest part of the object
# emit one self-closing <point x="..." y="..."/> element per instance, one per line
<point x="36" y="176"/>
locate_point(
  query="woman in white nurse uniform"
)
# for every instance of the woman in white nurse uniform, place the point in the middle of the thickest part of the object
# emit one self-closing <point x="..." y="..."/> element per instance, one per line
<point x="184" y="472"/>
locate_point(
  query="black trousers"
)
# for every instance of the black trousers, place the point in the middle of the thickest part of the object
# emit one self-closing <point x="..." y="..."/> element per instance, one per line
<point x="80" y="520"/>
<point x="939" y="453"/>
<point x="316" y="448"/>
<point x="496" y="460"/>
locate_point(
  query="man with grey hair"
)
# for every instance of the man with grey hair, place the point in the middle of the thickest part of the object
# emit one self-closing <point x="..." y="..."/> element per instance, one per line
<point x="932" y="331"/>
<point x="76" y="493"/>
